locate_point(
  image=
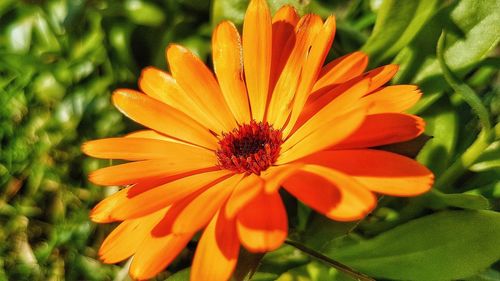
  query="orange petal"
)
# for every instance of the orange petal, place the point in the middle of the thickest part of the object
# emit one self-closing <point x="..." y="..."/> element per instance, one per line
<point x="392" y="99"/>
<point x="346" y="101"/>
<point x="246" y="190"/>
<point x="199" y="83"/>
<point x="284" y="22"/>
<point x="355" y="200"/>
<point x="380" y="171"/>
<point x="156" y="252"/>
<point x="163" y="87"/>
<point x="325" y="136"/>
<point x="203" y="207"/>
<point x="117" y="246"/>
<point x="342" y="70"/>
<point x="310" y="72"/>
<point x="135" y="172"/>
<point x="381" y="75"/>
<point x="228" y="65"/>
<point x="284" y="92"/>
<point x="385" y="128"/>
<point x="275" y="175"/>
<point x="262" y="225"/>
<point x="314" y="191"/>
<point x="217" y="251"/>
<point x="101" y="213"/>
<point x="112" y="211"/>
<point x="257" y="40"/>
<point x="137" y="205"/>
<point x="142" y="149"/>
<point x="163" y="118"/>
<point x="378" y="77"/>
<point x="124" y="240"/>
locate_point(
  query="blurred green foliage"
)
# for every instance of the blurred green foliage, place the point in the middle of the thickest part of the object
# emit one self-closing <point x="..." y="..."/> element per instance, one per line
<point x="60" y="59"/>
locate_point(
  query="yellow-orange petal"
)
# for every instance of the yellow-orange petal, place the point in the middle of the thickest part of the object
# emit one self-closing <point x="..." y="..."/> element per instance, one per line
<point x="101" y="213"/>
<point x="263" y="225"/>
<point x="342" y="70"/>
<point x="117" y="246"/>
<point x="312" y="67"/>
<point x="382" y="129"/>
<point x="162" y="118"/>
<point x="326" y="96"/>
<point x="142" y="149"/>
<point x="314" y="191"/>
<point x="156" y="252"/>
<point x="137" y="205"/>
<point x="345" y="102"/>
<point x="124" y="240"/>
<point x="246" y="190"/>
<point x="217" y="251"/>
<point x="283" y="28"/>
<point x="163" y="87"/>
<point x="355" y="200"/>
<point x="379" y="171"/>
<point x="228" y="65"/>
<point x="325" y="136"/>
<point x="283" y="94"/>
<point x="257" y="49"/>
<point x="150" y="134"/>
<point x="134" y="172"/>
<point x="396" y="98"/>
<point x="200" y="210"/>
<point x="199" y="83"/>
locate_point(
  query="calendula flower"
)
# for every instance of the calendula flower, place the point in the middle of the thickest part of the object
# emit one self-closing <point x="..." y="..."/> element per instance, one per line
<point x="219" y="147"/>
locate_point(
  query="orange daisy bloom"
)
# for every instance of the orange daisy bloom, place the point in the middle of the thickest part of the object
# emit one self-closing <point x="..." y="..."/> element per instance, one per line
<point x="219" y="147"/>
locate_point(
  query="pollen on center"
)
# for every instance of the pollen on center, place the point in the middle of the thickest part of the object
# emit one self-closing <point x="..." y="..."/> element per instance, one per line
<point x="250" y="148"/>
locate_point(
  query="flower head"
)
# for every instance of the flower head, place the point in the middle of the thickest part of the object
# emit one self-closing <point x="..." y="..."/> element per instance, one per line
<point x="219" y="147"/>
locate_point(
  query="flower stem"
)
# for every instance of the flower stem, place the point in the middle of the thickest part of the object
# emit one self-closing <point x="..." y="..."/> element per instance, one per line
<point x="337" y="265"/>
<point x="460" y="166"/>
<point x="248" y="263"/>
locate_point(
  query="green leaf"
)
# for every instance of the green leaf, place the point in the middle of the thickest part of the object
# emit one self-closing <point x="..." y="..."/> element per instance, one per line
<point x="458" y="200"/>
<point x="476" y="33"/>
<point x="442" y="126"/>
<point x="487" y="275"/>
<point x="445" y="246"/>
<point x="283" y="259"/>
<point x="490" y="159"/>
<point x="477" y="21"/>
<point x="264" y="276"/>
<point x="395" y="28"/>
<point x="144" y="13"/>
<point x="322" y="231"/>
<point x="485" y="183"/>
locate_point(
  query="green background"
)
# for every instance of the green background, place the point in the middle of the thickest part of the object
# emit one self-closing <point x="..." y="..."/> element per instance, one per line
<point x="60" y="59"/>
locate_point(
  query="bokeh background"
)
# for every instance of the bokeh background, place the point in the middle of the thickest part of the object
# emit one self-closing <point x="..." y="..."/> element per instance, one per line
<point x="60" y="60"/>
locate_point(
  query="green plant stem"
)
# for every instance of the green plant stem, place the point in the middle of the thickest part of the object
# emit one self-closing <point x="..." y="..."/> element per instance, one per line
<point x="462" y="89"/>
<point x="460" y="166"/>
<point x="333" y="263"/>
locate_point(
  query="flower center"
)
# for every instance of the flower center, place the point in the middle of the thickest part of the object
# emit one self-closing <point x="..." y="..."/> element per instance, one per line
<point x="250" y="148"/>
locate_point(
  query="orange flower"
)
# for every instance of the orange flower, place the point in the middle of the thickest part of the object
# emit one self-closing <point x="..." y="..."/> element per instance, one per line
<point x="220" y="147"/>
